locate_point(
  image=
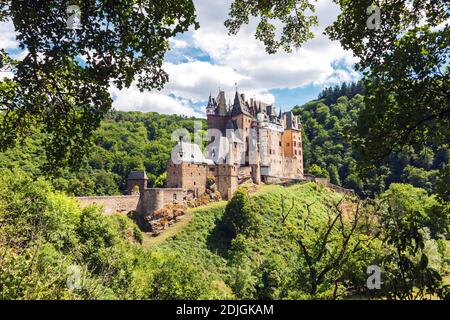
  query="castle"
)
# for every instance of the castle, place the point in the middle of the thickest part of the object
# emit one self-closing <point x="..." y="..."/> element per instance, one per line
<point x="246" y="140"/>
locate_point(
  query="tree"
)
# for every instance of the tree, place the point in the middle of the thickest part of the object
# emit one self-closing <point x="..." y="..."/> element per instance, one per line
<point x="292" y="15"/>
<point x="61" y="86"/>
<point x="326" y="245"/>
<point x="273" y="278"/>
<point x="317" y="171"/>
<point x="407" y="214"/>
<point x="177" y="279"/>
<point x="239" y="216"/>
<point x="405" y="66"/>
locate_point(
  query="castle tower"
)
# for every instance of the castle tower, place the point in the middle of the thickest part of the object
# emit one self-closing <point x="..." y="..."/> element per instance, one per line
<point x="217" y="113"/>
<point x="254" y="156"/>
<point x="136" y="178"/>
<point x="292" y="146"/>
<point x="226" y="180"/>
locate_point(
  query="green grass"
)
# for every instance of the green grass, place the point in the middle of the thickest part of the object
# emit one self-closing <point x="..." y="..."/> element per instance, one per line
<point x="201" y="241"/>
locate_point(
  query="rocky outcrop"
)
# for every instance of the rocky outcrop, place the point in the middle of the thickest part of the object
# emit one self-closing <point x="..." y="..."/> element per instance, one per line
<point x="162" y="218"/>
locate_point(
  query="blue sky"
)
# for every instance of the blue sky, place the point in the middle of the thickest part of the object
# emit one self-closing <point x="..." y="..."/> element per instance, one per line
<point x="203" y="60"/>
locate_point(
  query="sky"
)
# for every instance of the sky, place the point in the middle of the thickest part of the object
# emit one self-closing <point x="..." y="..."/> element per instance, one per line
<point x="202" y="61"/>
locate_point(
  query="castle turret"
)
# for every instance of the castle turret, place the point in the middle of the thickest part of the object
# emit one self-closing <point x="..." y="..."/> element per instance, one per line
<point x="136" y="179"/>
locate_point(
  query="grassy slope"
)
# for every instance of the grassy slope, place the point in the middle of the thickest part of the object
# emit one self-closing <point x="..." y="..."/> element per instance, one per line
<point x="202" y="243"/>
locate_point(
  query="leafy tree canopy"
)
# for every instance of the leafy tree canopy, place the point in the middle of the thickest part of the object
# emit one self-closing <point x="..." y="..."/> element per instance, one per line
<point x="62" y="83"/>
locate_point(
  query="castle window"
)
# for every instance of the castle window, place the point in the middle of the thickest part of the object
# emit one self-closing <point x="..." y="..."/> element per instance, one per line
<point x="288" y="144"/>
<point x="174" y="196"/>
<point x="295" y="144"/>
<point x="279" y="143"/>
<point x="194" y="183"/>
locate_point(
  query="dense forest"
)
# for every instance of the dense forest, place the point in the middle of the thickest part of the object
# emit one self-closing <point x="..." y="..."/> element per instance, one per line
<point x="297" y="242"/>
<point x="328" y="125"/>
<point x="142" y="141"/>
<point x="387" y="139"/>
<point x="270" y="245"/>
<point x="125" y="141"/>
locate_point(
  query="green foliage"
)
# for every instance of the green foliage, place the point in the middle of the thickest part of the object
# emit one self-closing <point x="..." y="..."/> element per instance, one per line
<point x="317" y="171"/>
<point x="328" y="152"/>
<point x="55" y="91"/>
<point x="274" y="277"/>
<point x="296" y="18"/>
<point x="406" y="75"/>
<point x="240" y="217"/>
<point x="176" y="279"/>
<point x="267" y="264"/>
<point x="161" y="180"/>
<point x="44" y="234"/>
<point x="408" y="215"/>
<point x="331" y="95"/>
<point x="125" y="141"/>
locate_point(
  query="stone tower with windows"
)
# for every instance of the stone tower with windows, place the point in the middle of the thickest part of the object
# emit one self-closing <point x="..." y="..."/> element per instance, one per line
<point x="136" y="182"/>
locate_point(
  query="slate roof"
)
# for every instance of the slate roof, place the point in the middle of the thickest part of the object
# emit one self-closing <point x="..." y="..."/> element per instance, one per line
<point x="190" y="153"/>
<point x="137" y="175"/>
<point x="290" y="120"/>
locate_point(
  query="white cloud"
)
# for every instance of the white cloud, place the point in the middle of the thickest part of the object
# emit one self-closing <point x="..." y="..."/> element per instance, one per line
<point x="7" y="35"/>
<point x="242" y="58"/>
<point x="178" y="44"/>
<point x="193" y="80"/>
<point x="131" y="99"/>
<point x="239" y="58"/>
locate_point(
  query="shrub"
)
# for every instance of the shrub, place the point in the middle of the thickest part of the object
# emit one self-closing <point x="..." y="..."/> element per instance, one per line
<point x="239" y="217"/>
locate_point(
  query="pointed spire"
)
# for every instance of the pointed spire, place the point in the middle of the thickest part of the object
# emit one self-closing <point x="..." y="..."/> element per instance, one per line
<point x="222" y="104"/>
<point x="210" y="100"/>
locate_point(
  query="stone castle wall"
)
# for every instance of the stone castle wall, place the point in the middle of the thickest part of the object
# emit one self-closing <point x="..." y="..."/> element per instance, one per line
<point x="156" y="198"/>
<point x="111" y="204"/>
<point x="146" y="203"/>
<point x="226" y="180"/>
<point x="190" y="176"/>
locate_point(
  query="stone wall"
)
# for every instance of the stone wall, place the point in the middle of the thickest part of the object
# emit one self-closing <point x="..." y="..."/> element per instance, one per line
<point x="190" y="176"/>
<point x="226" y="180"/>
<point x="245" y="172"/>
<point x="156" y="198"/>
<point x="325" y="182"/>
<point x="111" y="204"/>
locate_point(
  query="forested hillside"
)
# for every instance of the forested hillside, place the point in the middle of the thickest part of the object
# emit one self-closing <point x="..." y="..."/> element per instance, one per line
<point x="125" y="141"/>
<point x="142" y="141"/>
<point x="328" y="152"/>
<point x="298" y="242"/>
